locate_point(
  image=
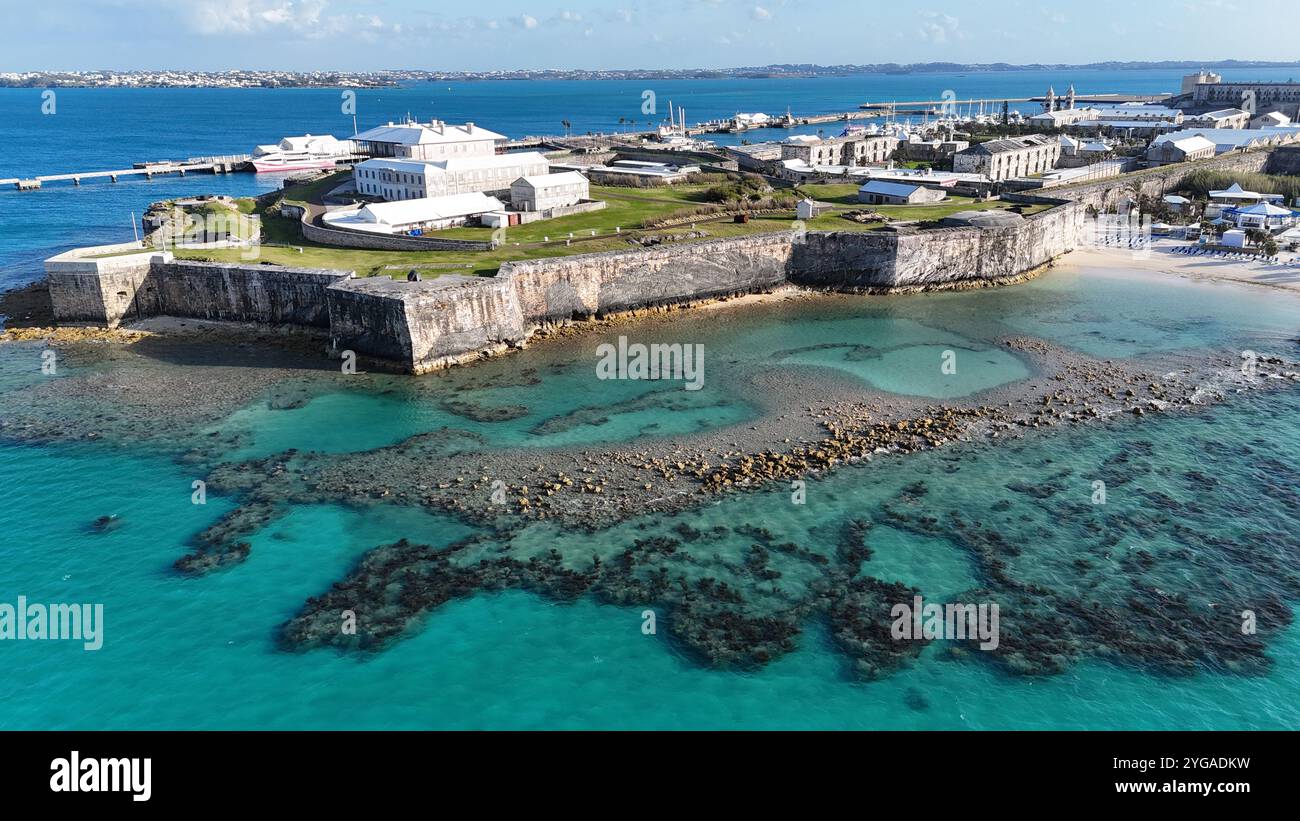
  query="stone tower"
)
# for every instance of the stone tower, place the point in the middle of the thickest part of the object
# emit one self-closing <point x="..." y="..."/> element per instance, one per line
<point x="1069" y="97"/>
<point x="1049" y="103"/>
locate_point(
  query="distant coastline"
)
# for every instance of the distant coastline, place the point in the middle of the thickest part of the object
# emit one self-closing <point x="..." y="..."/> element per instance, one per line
<point x="390" y="78"/>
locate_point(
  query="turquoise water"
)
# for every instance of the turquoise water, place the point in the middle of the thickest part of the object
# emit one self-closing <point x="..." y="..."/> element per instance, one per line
<point x="200" y="652"/>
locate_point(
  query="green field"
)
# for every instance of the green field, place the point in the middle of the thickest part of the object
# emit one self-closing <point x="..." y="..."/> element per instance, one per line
<point x="628" y="209"/>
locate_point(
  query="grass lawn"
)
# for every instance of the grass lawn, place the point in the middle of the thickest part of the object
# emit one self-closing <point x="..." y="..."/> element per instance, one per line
<point x="313" y="191"/>
<point x="845" y="197"/>
<point x="628" y="208"/>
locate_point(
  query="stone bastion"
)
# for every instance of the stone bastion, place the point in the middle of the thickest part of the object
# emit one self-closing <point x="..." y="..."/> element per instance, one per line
<point x="422" y="326"/>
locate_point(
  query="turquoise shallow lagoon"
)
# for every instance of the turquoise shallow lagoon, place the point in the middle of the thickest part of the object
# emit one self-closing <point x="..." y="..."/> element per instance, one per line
<point x="200" y="652"/>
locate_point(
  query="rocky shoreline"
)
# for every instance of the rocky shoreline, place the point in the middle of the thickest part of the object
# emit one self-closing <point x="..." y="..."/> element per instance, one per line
<point x="736" y="613"/>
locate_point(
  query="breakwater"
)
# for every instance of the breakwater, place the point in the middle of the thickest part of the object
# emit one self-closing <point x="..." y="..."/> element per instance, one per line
<point x="423" y="326"/>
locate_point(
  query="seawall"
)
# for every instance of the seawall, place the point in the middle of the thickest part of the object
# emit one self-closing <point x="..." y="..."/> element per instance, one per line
<point x="422" y="326"/>
<point x="108" y="285"/>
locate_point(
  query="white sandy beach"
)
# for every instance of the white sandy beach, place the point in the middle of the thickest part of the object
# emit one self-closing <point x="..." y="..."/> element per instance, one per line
<point x="1162" y="259"/>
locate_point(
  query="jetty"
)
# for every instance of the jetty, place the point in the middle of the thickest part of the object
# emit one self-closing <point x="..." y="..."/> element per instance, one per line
<point x="223" y="164"/>
<point x="931" y="106"/>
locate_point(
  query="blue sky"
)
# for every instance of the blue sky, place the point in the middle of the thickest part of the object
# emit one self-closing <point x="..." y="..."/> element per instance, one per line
<point x="504" y="34"/>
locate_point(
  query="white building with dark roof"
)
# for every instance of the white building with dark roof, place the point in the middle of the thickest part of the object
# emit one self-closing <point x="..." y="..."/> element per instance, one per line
<point x="852" y="149"/>
<point x="1009" y="157"/>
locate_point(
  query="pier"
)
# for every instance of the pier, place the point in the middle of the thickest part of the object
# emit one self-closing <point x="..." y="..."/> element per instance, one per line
<point x="930" y="106"/>
<point x="223" y="164"/>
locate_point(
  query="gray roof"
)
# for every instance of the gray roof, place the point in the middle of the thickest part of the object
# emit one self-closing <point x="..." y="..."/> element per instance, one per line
<point x="1009" y="144"/>
<point x="891" y="189"/>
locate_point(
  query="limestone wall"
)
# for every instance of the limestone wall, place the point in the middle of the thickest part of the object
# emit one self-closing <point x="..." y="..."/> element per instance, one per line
<point x="88" y="285"/>
<point x="426" y="325"/>
<point x="562" y="288"/>
<point x="1112" y="195"/>
<point x="239" y="292"/>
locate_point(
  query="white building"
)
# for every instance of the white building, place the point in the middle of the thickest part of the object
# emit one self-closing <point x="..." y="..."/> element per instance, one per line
<point x="1222" y="118"/>
<point x="307" y="144"/>
<point x="1264" y="216"/>
<point x="394" y="179"/>
<point x="1234" y="139"/>
<point x="1236" y="195"/>
<point x="1140" y="112"/>
<point x="853" y="149"/>
<point x="434" y="140"/>
<point x="413" y="216"/>
<point x="1184" y="149"/>
<point x="1234" y="238"/>
<point x="1063" y="117"/>
<point x="1273" y="119"/>
<point x="1009" y="157"/>
<point x="397" y="179"/>
<point x="546" y="191"/>
<point x="807" y="209"/>
<point x="879" y="192"/>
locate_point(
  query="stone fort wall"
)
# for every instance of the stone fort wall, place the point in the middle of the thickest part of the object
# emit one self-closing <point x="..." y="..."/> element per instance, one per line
<point x="422" y="326"/>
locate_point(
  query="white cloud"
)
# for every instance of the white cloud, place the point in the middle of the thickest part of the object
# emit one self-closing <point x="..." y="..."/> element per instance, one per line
<point x="939" y="28"/>
<point x="254" y="16"/>
<point x="760" y="13"/>
<point x="527" y="21"/>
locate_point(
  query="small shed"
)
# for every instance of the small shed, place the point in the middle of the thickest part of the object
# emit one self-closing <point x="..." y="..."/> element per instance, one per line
<point x="807" y="209"/>
<point x="1235" y="238"/>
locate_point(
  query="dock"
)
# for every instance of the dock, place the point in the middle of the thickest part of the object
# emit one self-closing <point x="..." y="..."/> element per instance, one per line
<point x="930" y="106"/>
<point x="223" y="164"/>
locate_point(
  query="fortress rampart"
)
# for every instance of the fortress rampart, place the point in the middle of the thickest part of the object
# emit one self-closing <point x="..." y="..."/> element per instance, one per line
<point x="422" y="326"/>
